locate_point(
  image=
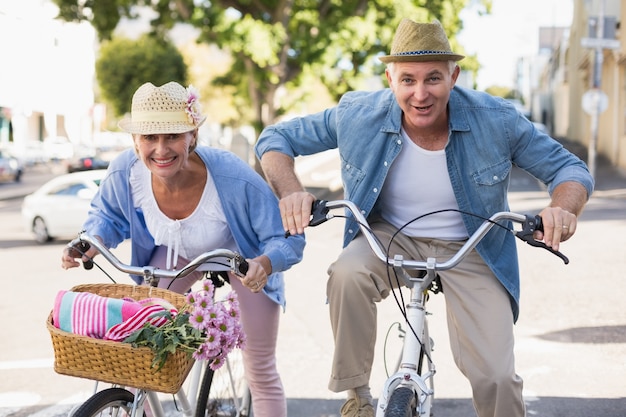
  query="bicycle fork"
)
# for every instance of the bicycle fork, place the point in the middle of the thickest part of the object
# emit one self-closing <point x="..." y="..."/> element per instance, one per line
<point x="416" y="348"/>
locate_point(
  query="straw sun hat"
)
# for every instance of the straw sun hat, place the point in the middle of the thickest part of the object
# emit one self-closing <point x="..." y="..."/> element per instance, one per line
<point x="170" y="108"/>
<point x="420" y="42"/>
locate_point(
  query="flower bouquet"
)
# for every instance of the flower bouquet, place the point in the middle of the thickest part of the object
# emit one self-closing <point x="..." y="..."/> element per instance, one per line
<point x="204" y="328"/>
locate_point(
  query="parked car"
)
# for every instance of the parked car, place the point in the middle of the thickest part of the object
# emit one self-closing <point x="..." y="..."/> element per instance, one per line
<point x="86" y="163"/>
<point x="59" y="207"/>
<point x="58" y="148"/>
<point x="10" y="168"/>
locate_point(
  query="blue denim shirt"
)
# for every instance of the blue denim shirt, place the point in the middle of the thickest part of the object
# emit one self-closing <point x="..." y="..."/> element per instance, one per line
<point x="487" y="137"/>
<point x="250" y="206"/>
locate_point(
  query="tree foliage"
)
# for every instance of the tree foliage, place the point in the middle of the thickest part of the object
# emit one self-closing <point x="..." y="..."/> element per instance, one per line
<point x="278" y="44"/>
<point x="500" y="91"/>
<point x="124" y="65"/>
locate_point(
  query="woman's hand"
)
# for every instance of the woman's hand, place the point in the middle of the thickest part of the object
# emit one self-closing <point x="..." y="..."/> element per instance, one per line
<point x="70" y="256"/>
<point x="258" y="270"/>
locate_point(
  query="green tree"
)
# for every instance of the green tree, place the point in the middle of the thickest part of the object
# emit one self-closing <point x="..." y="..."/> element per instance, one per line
<point x="123" y="65"/>
<point x="277" y="45"/>
<point x="500" y="91"/>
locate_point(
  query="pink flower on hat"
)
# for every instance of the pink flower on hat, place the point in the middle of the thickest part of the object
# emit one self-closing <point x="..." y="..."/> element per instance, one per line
<point x="194" y="108"/>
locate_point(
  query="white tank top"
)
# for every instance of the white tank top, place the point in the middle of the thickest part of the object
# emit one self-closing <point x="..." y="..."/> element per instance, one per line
<point x="418" y="183"/>
<point x="205" y="229"/>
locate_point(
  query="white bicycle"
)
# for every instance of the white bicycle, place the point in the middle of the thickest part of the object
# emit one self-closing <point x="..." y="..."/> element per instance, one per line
<point x="409" y="392"/>
<point x="208" y="393"/>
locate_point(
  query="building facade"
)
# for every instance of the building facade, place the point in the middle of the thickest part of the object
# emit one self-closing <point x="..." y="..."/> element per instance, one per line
<point x="47" y="75"/>
<point x="581" y="92"/>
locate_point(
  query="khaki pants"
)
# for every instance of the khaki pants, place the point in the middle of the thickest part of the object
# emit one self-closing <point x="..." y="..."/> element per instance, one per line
<point x="480" y="320"/>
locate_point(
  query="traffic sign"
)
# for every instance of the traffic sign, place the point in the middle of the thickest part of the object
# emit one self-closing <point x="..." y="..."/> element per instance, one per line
<point x="595" y="101"/>
<point x="600" y="43"/>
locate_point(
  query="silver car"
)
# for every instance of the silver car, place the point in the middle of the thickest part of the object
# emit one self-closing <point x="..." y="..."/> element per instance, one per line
<point x="10" y="169"/>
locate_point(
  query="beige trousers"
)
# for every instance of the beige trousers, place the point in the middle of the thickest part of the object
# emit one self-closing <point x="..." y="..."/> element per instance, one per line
<point x="479" y="316"/>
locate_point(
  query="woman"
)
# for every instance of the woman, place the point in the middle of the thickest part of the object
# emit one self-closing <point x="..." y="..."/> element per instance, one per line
<point x="175" y="200"/>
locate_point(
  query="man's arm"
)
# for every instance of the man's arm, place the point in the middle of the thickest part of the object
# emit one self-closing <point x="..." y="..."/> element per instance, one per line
<point x="560" y="218"/>
<point x="295" y="202"/>
<point x="280" y="172"/>
<point x="571" y="196"/>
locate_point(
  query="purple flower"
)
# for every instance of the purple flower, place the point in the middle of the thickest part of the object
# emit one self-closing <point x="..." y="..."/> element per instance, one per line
<point x="193" y="108"/>
<point x="219" y="322"/>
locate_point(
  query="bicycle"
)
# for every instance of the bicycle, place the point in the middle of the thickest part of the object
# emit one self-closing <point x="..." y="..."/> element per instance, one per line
<point x="409" y="392"/>
<point x="220" y="393"/>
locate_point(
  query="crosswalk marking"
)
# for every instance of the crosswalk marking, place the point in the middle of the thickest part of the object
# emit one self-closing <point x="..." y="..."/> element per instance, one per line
<point x="27" y="364"/>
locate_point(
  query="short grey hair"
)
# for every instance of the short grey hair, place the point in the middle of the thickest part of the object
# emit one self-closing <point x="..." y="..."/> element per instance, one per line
<point x="451" y="66"/>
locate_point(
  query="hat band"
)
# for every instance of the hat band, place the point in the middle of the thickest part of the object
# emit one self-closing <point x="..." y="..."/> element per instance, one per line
<point x="159" y="116"/>
<point x="423" y="53"/>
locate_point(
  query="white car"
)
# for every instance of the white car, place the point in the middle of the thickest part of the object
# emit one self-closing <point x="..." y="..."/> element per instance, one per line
<point x="59" y="208"/>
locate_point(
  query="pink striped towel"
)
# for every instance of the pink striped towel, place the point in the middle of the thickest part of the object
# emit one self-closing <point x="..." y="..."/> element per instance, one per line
<point x="107" y="318"/>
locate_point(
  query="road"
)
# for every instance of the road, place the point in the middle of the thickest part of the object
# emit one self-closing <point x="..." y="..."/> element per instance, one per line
<point x="571" y="335"/>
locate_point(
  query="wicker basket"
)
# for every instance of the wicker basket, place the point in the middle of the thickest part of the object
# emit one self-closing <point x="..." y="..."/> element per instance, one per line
<point x="117" y="362"/>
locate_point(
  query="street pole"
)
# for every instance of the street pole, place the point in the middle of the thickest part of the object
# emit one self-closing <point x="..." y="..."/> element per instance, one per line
<point x="597" y="83"/>
<point x="595" y="101"/>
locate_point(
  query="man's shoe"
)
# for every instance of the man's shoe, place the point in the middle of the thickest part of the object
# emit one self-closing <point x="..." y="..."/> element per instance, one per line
<point x="357" y="407"/>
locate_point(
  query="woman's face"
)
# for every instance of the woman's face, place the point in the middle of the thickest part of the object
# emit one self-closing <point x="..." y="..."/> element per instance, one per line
<point x="422" y="90"/>
<point x="165" y="155"/>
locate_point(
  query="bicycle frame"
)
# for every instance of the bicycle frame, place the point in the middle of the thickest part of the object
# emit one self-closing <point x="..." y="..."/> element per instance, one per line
<point x="418" y="389"/>
<point x="416" y="343"/>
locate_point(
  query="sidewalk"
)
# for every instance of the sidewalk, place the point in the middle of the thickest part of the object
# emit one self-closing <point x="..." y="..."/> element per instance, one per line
<point x="610" y="181"/>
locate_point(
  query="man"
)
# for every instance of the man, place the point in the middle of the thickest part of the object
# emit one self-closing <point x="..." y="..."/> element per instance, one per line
<point x="420" y="146"/>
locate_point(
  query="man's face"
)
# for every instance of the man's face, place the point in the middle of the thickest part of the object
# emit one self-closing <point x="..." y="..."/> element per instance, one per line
<point x="422" y="90"/>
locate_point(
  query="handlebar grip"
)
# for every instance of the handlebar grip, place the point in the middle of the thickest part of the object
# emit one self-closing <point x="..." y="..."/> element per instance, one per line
<point x="243" y="266"/>
<point x="84" y="247"/>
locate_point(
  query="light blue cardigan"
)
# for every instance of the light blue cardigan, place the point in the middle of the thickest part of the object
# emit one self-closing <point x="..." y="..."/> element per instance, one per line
<point x="250" y="206"/>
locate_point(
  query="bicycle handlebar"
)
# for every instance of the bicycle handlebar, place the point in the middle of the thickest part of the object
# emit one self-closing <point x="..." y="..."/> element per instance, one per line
<point x="321" y="213"/>
<point x="238" y="264"/>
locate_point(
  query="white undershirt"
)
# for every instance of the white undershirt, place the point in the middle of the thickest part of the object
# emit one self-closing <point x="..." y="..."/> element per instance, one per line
<point x="205" y="229"/>
<point x="418" y="183"/>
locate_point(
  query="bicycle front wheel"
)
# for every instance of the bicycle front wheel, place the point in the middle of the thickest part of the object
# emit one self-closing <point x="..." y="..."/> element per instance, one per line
<point x="108" y="402"/>
<point x="225" y="393"/>
<point x="402" y="403"/>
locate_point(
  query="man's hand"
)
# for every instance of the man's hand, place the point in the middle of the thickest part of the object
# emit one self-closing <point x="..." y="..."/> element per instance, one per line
<point x="295" y="211"/>
<point x="558" y="226"/>
<point x="560" y="219"/>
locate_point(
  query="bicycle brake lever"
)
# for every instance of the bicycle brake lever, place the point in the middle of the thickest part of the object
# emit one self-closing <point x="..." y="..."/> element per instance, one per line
<point x="526" y="234"/>
<point x="318" y="214"/>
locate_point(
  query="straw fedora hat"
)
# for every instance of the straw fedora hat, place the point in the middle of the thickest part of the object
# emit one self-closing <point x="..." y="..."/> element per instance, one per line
<point x="170" y="108"/>
<point x="420" y="42"/>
